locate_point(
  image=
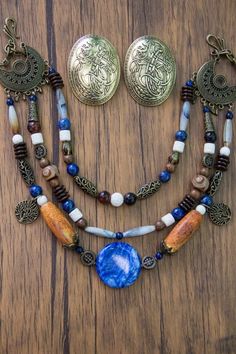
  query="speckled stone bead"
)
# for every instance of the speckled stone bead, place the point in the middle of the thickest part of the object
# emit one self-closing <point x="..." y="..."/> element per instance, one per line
<point x="82" y="223"/>
<point x="104" y="197"/>
<point x="34" y="127"/>
<point x="68" y="159"/>
<point x="174" y="158"/>
<point x="170" y="167"/>
<point x="160" y="225"/>
<point x="118" y="265"/>
<point x="130" y="198"/>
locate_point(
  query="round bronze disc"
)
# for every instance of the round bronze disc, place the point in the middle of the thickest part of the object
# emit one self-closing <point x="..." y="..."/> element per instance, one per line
<point x="93" y="70"/>
<point x="150" y="71"/>
<point x="220" y="214"/>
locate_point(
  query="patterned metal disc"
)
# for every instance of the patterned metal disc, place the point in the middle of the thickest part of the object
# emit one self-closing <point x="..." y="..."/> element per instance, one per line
<point x="27" y="211"/>
<point x="40" y="151"/>
<point x="88" y="258"/>
<point x="220" y="214"/>
<point x="148" y="262"/>
<point x="150" y="71"/>
<point x="93" y="70"/>
<point x="24" y="73"/>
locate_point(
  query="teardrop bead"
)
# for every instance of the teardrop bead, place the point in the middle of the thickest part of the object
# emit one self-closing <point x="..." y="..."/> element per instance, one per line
<point x="228" y="132"/>
<point x="57" y="223"/>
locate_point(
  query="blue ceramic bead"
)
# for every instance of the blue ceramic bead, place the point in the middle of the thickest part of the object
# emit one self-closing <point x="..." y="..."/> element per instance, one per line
<point x="64" y="124"/>
<point x="181" y="135"/>
<point x="33" y="98"/>
<point x="35" y="190"/>
<point x="164" y="176"/>
<point x="229" y="115"/>
<point x="10" y="101"/>
<point x="118" y="265"/>
<point x="72" y="169"/>
<point x="68" y="205"/>
<point x="206" y="109"/>
<point x="189" y="83"/>
<point x="178" y="213"/>
<point x="207" y="200"/>
<point x="119" y="235"/>
<point x="159" y="256"/>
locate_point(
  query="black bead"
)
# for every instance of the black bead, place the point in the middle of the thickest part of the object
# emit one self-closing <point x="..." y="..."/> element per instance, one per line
<point x="130" y="198"/>
<point x="210" y="136"/>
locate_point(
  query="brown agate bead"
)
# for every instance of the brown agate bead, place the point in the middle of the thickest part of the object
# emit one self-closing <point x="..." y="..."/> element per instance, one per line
<point x="160" y="225"/>
<point x="104" y="197"/>
<point x="68" y="158"/>
<point x="82" y="223"/>
<point x="33" y="126"/>
<point x="200" y="182"/>
<point x="170" y="167"/>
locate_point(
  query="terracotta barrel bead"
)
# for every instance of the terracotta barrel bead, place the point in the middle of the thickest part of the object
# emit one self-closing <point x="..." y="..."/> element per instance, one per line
<point x="57" y="223"/>
<point x="183" y="231"/>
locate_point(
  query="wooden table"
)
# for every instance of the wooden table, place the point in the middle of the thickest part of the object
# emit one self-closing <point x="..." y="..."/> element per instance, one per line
<point x="49" y="302"/>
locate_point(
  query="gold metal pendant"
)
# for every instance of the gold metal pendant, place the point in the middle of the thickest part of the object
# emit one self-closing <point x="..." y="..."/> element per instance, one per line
<point x="150" y="71"/>
<point x="93" y="70"/>
<point x="220" y="214"/>
<point x="27" y="211"/>
<point x="23" y="71"/>
<point x="211" y="87"/>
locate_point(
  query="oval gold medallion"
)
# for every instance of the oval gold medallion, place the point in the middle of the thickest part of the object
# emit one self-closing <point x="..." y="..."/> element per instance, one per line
<point x="150" y="71"/>
<point x="93" y="70"/>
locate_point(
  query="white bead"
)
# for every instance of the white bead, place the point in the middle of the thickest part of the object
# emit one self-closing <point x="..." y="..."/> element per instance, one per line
<point x="13" y="120"/>
<point x="17" y="138"/>
<point x="37" y="138"/>
<point x="201" y="209"/>
<point x="228" y="131"/>
<point x="178" y="146"/>
<point x="117" y="199"/>
<point x="168" y="219"/>
<point x="225" y="151"/>
<point x="75" y="214"/>
<point x="209" y="148"/>
<point x="65" y="135"/>
<point x="61" y="104"/>
<point x="41" y="200"/>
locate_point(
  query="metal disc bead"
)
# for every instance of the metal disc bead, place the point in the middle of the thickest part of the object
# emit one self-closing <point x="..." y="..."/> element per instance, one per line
<point x="208" y="160"/>
<point x="88" y="258"/>
<point x="27" y="211"/>
<point x="148" y="262"/>
<point x="40" y="151"/>
<point x="220" y="214"/>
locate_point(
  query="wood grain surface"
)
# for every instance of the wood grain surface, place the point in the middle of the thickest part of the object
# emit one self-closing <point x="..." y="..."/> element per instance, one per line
<point x="50" y="303"/>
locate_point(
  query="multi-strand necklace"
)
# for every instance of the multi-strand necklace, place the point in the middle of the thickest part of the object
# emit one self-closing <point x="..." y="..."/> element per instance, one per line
<point x="118" y="264"/>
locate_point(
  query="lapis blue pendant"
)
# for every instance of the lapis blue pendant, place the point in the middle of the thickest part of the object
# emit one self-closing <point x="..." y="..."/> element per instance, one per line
<point x="118" y="265"/>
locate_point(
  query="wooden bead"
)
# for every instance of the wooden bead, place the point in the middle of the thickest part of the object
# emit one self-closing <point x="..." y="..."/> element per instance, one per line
<point x="54" y="182"/>
<point x="200" y="182"/>
<point x="44" y="162"/>
<point x="170" y="167"/>
<point x="68" y="159"/>
<point x="160" y="225"/>
<point x="50" y="172"/>
<point x="205" y="172"/>
<point x="196" y="194"/>
<point x="183" y="231"/>
<point x="57" y="223"/>
<point x="82" y="223"/>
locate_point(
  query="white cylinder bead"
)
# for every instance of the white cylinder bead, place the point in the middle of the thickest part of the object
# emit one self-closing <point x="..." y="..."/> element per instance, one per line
<point x="75" y="214"/>
<point x="65" y="135"/>
<point x="117" y="199"/>
<point x="13" y="120"/>
<point x="17" y="138"/>
<point x="209" y="148"/>
<point x="61" y="104"/>
<point x="178" y="146"/>
<point x="225" y="151"/>
<point x="201" y="209"/>
<point x="41" y="200"/>
<point x="168" y="219"/>
<point x="228" y="131"/>
<point x="37" y="138"/>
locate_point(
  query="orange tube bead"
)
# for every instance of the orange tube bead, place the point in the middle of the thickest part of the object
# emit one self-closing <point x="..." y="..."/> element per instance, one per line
<point x="182" y="232"/>
<point x="58" y="223"/>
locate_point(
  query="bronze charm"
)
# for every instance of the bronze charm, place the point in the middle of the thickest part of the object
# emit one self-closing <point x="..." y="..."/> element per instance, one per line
<point x="27" y="211"/>
<point x="220" y="214"/>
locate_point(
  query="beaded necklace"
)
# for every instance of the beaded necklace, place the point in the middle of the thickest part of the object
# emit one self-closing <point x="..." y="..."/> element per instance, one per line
<point x="118" y="264"/>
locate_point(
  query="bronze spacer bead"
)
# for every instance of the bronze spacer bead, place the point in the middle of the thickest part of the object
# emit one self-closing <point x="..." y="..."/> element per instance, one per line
<point x="170" y="167"/>
<point x="82" y="223"/>
<point x="68" y="158"/>
<point x="44" y="162"/>
<point x="54" y="182"/>
<point x="196" y="194"/>
<point x="160" y="225"/>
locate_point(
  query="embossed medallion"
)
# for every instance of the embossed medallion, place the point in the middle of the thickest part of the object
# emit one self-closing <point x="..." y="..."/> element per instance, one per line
<point x="27" y="211"/>
<point x="220" y="214"/>
<point x="150" y="71"/>
<point x="93" y="70"/>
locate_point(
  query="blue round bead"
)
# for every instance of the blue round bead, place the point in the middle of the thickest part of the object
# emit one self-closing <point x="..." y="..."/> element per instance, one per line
<point x="206" y="109"/>
<point x="210" y="136"/>
<point x="118" y="265"/>
<point x="164" y="176"/>
<point x="159" y="255"/>
<point x="189" y="83"/>
<point x="178" y="213"/>
<point x="35" y="190"/>
<point x="181" y="135"/>
<point x="207" y="200"/>
<point x="72" y="169"/>
<point x="79" y="249"/>
<point x="119" y="235"/>
<point x="64" y="124"/>
<point x="51" y="70"/>
<point x="33" y="98"/>
<point x="10" y="101"/>
<point x="229" y="115"/>
<point x="68" y="205"/>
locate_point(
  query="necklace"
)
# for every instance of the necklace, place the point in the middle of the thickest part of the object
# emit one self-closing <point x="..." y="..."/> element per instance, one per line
<point x="118" y="264"/>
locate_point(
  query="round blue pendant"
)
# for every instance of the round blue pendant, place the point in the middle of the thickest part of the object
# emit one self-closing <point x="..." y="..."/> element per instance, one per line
<point x="118" y="265"/>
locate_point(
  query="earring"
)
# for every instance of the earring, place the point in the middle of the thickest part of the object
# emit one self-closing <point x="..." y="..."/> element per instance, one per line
<point x="150" y="71"/>
<point x="93" y="70"/>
